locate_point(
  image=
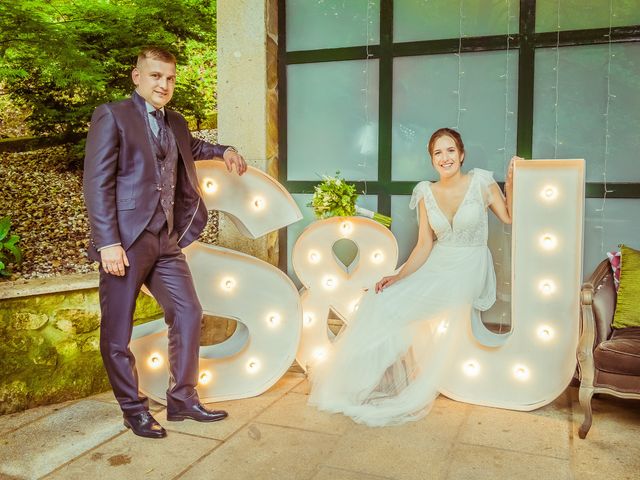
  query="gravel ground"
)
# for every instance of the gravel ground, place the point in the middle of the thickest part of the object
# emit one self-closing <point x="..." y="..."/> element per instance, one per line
<point x="44" y="201"/>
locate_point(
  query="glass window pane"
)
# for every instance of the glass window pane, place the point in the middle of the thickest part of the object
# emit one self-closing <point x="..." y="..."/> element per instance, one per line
<point x="332" y="120"/>
<point x="415" y="20"/>
<point x="332" y="23"/>
<point x="405" y="229"/>
<point x="404" y="226"/>
<point x="604" y="231"/>
<point x="580" y="123"/>
<point x="295" y="230"/>
<point x="425" y="98"/>
<point x="581" y="14"/>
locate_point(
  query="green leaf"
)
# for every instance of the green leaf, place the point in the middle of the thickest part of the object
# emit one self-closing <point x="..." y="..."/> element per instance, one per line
<point x="5" y="225"/>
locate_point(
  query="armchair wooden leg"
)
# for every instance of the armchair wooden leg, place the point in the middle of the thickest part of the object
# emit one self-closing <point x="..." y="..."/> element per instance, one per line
<point x="585" y="395"/>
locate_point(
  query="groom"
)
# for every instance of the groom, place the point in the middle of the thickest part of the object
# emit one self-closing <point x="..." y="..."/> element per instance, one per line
<point x="142" y="196"/>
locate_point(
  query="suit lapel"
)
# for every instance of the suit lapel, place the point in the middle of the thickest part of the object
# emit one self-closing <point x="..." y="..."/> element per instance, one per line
<point x="184" y="148"/>
<point x="140" y="122"/>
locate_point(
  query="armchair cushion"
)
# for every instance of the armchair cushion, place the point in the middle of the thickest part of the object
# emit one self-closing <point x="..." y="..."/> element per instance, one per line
<point x="628" y="303"/>
<point x="621" y="353"/>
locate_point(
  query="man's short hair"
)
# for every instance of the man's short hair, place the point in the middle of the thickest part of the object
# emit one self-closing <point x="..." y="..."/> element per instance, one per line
<point x="156" y="53"/>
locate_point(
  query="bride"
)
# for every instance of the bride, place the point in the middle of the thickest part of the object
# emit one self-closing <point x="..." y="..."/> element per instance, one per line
<point x="387" y="364"/>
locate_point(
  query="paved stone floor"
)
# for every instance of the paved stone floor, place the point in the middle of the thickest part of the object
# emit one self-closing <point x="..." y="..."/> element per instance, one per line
<point x="277" y="436"/>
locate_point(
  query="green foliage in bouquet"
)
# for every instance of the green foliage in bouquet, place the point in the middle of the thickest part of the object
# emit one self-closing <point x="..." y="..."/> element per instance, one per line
<point x="9" y="251"/>
<point x="334" y="197"/>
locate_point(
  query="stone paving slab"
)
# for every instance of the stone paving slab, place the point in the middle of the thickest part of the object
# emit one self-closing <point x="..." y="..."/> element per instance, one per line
<point x="518" y="431"/>
<point x="17" y="420"/>
<point x="240" y="412"/>
<point x="43" y="445"/>
<point x="265" y="452"/>
<point x="128" y="457"/>
<point x="331" y="473"/>
<point x="292" y="411"/>
<point x="415" y="450"/>
<point x="476" y="462"/>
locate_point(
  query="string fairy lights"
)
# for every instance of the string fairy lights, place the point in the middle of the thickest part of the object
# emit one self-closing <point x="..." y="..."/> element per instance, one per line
<point x="556" y="87"/>
<point x="503" y="263"/>
<point x="607" y="135"/>
<point x="458" y="92"/>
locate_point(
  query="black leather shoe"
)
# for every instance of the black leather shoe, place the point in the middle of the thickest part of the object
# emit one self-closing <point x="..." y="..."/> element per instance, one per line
<point x="198" y="413"/>
<point x="144" y="425"/>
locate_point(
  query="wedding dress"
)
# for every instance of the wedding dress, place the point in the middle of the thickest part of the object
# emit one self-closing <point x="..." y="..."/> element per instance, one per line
<point x="386" y="365"/>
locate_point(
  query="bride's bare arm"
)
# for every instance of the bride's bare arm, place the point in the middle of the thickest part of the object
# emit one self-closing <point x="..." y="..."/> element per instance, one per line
<point x="419" y="254"/>
<point x="501" y="206"/>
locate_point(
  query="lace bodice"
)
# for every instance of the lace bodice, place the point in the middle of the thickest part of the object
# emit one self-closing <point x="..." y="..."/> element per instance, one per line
<point x="470" y="225"/>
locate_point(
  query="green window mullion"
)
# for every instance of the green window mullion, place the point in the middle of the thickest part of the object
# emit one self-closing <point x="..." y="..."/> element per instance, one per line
<point x="594" y="36"/>
<point x="452" y="45"/>
<point x="526" y="61"/>
<point x="332" y="55"/>
<point x="385" y="108"/>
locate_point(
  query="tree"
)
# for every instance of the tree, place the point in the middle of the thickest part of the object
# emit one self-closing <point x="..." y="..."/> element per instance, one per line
<point x="62" y="58"/>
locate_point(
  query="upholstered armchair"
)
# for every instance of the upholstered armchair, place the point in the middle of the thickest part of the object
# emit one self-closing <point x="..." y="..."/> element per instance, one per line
<point x="609" y="359"/>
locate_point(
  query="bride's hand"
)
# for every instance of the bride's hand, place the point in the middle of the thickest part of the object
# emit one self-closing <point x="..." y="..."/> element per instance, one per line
<point x="509" y="179"/>
<point x="386" y="282"/>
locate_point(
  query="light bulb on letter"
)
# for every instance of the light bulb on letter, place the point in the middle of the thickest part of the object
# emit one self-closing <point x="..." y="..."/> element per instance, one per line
<point x="307" y="319"/>
<point x="155" y="360"/>
<point x="346" y="228"/>
<point x="258" y="203"/>
<point x="548" y="241"/>
<point x="471" y="368"/>
<point x="253" y="366"/>
<point x="314" y="257"/>
<point x="320" y="354"/>
<point x="549" y="193"/>
<point x="273" y="319"/>
<point x="442" y="326"/>
<point x="521" y="372"/>
<point x="547" y="287"/>
<point x="377" y="256"/>
<point x="228" y="284"/>
<point x="330" y="283"/>
<point x="210" y="186"/>
<point x="545" y="333"/>
<point x="205" y="377"/>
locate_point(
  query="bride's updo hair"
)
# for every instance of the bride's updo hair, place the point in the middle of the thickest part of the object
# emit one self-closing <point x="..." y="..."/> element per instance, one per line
<point x="446" y="132"/>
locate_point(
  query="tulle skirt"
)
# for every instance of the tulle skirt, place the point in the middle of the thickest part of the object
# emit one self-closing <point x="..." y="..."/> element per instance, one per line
<point x="386" y="365"/>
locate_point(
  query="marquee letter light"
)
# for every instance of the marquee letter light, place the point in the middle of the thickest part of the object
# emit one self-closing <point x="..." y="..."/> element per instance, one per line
<point x="261" y="298"/>
<point x="530" y="366"/>
<point x="329" y="284"/>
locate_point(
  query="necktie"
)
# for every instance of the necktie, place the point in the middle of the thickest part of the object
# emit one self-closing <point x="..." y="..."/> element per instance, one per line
<point x="163" y="138"/>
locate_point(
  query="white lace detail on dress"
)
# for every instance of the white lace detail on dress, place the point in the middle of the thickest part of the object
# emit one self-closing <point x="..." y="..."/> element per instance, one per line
<point x="470" y="227"/>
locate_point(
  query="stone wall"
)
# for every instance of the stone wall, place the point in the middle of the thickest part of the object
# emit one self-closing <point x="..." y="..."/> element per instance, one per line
<point x="50" y="347"/>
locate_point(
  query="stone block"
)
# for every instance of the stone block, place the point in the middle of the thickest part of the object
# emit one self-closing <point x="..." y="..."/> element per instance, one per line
<point x="28" y="321"/>
<point x="74" y="320"/>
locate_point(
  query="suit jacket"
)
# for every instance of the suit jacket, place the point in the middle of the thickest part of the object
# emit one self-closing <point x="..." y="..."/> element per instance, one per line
<point x="120" y="176"/>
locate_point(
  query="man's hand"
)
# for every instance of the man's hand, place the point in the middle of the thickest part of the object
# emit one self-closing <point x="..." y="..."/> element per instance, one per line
<point x="114" y="259"/>
<point x="232" y="158"/>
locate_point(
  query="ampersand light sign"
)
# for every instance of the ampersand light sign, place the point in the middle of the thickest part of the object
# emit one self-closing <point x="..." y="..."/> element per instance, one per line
<point x="329" y="284"/>
<point x="262" y="299"/>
